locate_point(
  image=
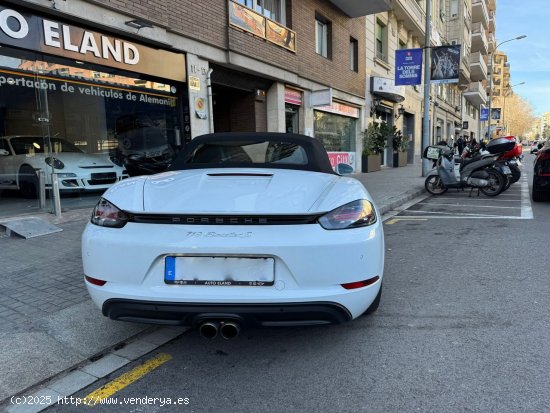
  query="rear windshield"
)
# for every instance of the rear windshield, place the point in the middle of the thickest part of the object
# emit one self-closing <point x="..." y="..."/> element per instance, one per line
<point x="265" y="152"/>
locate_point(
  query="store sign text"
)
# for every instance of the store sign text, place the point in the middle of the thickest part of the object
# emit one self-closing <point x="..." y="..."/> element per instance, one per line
<point x="31" y="32"/>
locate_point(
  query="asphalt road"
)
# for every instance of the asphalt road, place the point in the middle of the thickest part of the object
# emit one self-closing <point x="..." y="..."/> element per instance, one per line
<point x="463" y="326"/>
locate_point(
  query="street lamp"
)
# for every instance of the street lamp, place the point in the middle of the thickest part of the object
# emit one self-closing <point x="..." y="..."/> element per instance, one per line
<point x="523" y="36"/>
<point x="506" y="92"/>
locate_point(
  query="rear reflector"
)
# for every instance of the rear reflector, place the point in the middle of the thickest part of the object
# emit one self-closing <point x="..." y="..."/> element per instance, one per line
<point x="95" y="281"/>
<point x="360" y="284"/>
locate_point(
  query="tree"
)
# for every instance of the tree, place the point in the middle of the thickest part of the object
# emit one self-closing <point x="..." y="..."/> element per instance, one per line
<point x="517" y="114"/>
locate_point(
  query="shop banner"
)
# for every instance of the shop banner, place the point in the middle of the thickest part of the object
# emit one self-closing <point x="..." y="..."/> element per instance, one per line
<point x="484" y="115"/>
<point x="408" y="67"/>
<point x="28" y="31"/>
<point x="341" y="157"/>
<point x="445" y="64"/>
<point x="495" y="113"/>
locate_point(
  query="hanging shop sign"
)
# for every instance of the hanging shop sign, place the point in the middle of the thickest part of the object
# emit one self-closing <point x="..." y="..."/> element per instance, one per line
<point x="41" y="34"/>
<point x="321" y="97"/>
<point x="408" y="67"/>
<point x="445" y="64"/>
<point x="386" y="89"/>
<point x="495" y="113"/>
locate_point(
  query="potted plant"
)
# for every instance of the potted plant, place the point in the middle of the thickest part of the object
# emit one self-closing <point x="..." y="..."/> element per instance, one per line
<point x="373" y="145"/>
<point x="400" y="145"/>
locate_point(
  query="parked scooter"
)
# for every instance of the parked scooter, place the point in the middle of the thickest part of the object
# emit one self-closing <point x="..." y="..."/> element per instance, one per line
<point x="478" y="174"/>
<point x="508" y="161"/>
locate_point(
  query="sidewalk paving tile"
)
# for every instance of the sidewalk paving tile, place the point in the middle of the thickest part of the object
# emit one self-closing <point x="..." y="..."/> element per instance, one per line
<point x="105" y="365"/>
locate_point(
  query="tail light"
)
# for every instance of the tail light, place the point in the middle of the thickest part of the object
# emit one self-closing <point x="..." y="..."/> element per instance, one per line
<point x="95" y="281"/>
<point x="356" y="214"/>
<point x="106" y="214"/>
<point x="360" y="284"/>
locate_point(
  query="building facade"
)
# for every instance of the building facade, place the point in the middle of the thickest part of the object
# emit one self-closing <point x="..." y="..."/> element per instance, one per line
<point x="131" y="81"/>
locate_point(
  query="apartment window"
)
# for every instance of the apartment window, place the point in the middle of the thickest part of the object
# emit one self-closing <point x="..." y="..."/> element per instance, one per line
<point x="402" y="44"/>
<point x="454" y="9"/>
<point x="322" y="36"/>
<point x="353" y="54"/>
<point x="381" y="40"/>
<point x="272" y="9"/>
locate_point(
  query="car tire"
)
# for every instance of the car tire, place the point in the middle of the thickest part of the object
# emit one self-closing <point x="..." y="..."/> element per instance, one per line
<point x="28" y="182"/>
<point x="538" y="196"/>
<point x="374" y="306"/>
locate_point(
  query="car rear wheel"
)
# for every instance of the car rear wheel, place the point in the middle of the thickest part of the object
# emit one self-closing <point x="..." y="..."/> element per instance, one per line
<point x="28" y="182"/>
<point x="539" y="196"/>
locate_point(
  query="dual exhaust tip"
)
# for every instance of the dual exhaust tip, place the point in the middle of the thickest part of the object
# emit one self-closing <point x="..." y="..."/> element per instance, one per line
<point x="227" y="330"/>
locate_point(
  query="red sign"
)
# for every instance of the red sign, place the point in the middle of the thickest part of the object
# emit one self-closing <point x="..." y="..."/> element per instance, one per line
<point x="293" y="97"/>
<point x="340" y="109"/>
<point x="341" y="157"/>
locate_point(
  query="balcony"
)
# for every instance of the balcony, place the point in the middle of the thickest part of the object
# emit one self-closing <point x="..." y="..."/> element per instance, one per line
<point x="492" y="4"/>
<point x="491" y="43"/>
<point x="478" y="67"/>
<point x="354" y="8"/>
<point x="412" y="15"/>
<point x="479" y="39"/>
<point x="464" y="71"/>
<point x="492" y="22"/>
<point x="476" y="94"/>
<point x="480" y="14"/>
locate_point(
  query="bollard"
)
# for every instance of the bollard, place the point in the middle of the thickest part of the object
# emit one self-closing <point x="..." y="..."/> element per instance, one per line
<point x="55" y="196"/>
<point x="42" y="189"/>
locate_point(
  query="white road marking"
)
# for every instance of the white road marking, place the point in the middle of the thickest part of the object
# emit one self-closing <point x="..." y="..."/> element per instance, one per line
<point x="466" y="215"/>
<point x="469" y="206"/>
<point x="526" y="210"/>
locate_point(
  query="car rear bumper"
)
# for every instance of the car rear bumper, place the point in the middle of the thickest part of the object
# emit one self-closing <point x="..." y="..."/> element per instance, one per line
<point x="541" y="183"/>
<point x="248" y="315"/>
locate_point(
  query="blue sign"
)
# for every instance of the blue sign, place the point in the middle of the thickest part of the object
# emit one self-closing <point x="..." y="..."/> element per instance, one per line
<point x="408" y="67"/>
<point x="484" y="115"/>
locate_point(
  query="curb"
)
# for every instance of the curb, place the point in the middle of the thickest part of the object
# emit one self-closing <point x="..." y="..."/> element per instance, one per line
<point x="399" y="200"/>
<point x="65" y="384"/>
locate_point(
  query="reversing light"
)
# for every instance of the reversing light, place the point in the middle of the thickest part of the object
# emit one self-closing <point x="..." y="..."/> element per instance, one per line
<point x="95" y="281"/>
<point x="360" y="284"/>
<point x="356" y="214"/>
<point x="106" y="214"/>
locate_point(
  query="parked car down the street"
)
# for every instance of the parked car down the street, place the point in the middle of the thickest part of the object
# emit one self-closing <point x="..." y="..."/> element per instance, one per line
<point x="541" y="174"/>
<point x="245" y="229"/>
<point x="534" y="147"/>
<point x="21" y="157"/>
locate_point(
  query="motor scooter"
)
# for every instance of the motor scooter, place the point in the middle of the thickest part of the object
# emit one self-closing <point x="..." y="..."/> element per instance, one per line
<point x="478" y="174"/>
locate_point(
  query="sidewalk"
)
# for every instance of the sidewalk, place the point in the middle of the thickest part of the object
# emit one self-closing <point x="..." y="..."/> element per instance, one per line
<point x="47" y="322"/>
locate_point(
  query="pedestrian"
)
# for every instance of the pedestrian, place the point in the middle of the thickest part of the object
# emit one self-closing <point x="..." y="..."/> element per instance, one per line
<point x="460" y="144"/>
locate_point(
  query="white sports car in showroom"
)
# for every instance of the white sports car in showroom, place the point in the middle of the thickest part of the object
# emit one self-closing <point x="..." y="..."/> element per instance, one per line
<point x="22" y="156"/>
<point x="245" y="229"/>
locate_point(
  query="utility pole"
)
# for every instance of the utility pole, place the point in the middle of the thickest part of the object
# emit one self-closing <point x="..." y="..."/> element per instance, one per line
<point x="427" y="75"/>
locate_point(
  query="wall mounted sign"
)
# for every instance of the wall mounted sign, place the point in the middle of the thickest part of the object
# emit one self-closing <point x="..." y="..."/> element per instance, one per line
<point x="194" y="83"/>
<point x="200" y="107"/>
<point x="42" y="34"/>
<point x="484" y="115"/>
<point x="386" y="89"/>
<point x="293" y="96"/>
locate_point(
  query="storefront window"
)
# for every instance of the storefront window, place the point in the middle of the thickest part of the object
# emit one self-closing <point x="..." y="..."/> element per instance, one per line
<point x="91" y="125"/>
<point x="335" y="131"/>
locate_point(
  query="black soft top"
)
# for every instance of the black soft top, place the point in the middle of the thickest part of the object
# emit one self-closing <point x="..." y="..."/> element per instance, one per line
<point x="317" y="157"/>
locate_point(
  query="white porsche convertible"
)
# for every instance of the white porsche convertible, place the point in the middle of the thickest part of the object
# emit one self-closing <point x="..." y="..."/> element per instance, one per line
<point x="245" y="229"/>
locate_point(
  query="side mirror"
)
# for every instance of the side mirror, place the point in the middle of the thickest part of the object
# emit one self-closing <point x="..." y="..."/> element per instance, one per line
<point x="344" y="169"/>
<point x="4" y="152"/>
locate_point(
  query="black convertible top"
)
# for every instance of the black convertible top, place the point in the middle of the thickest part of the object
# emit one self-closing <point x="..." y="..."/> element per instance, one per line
<point x="316" y="156"/>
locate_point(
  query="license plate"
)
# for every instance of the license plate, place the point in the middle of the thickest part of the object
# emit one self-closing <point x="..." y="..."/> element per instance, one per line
<point x="219" y="271"/>
<point x="506" y="170"/>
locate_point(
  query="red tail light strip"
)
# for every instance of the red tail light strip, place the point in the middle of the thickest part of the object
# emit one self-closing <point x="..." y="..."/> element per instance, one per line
<point x="95" y="281"/>
<point x="360" y="284"/>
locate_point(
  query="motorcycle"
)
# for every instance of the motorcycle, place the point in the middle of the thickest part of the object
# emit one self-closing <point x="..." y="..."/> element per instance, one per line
<point x="478" y="174"/>
<point x="508" y="161"/>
